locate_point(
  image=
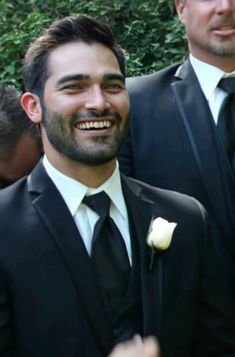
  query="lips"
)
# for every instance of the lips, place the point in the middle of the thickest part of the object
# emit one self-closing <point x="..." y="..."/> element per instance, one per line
<point x="224" y="27"/>
<point x="224" y="32"/>
<point x="94" y="124"/>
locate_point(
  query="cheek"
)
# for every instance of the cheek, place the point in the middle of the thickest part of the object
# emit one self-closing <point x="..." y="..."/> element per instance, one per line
<point x="198" y="17"/>
<point x="126" y="110"/>
<point x="122" y="105"/>
<point x="64" y="105"/>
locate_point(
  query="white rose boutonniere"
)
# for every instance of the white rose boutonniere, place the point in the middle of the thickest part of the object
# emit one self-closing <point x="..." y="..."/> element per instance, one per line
<point x="160" y="233"/>
<point x="159" y="236"/>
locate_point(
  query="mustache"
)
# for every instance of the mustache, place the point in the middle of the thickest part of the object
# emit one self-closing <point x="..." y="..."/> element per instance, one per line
<point x="223" y="21"/>
<point x="88" y="115"/>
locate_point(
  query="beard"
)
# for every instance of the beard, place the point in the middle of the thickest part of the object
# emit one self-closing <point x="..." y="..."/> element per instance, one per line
<point x="222" y="49"/>
<point x="226" y="46"/>
<point x="64" y="136"/>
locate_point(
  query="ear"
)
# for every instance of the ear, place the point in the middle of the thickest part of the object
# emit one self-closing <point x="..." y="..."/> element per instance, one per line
<point x="180" y="6"/>
<point x="31" y="105"/>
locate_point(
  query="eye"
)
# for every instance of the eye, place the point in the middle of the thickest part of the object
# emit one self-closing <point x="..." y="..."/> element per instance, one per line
<point x="73" y="86"/>
<point x="114" y="87"/>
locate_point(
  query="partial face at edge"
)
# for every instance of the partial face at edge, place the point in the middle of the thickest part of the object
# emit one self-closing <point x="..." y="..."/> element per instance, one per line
<point x="210" y="26"/>
<point x="21" y="161"/>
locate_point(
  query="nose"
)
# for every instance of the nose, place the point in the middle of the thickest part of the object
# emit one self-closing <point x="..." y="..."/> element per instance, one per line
<point x="224" y="6"/>
<point x="96" y="99"/>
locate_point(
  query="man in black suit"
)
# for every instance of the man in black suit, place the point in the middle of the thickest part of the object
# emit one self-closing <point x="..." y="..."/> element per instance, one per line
<point x="54" y="300"/>
<point x="173" y="140"/>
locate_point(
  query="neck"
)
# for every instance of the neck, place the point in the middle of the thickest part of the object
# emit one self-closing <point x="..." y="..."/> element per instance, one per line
<point x="91" y="176"/>
<point x="224" y="63"/>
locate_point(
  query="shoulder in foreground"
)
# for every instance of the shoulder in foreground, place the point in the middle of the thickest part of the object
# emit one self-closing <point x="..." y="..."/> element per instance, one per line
<point x="167" y="198"/>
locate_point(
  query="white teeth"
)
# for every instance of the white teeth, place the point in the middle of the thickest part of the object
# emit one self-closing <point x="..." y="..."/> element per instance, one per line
<point x="95" y="125"/>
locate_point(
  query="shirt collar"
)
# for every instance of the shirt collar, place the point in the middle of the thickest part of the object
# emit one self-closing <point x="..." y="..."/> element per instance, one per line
<point x="208" y="76"/>
<point x="74" y="191"/>
<point x="113" y="188"/>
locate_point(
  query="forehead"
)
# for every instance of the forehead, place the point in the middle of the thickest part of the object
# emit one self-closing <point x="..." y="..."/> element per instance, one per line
<point x="78" y="57"/>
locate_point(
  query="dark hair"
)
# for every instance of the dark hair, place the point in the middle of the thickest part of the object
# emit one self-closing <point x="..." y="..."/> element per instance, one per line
<point x="69" y="29"/>
<point x="13" y="121"/>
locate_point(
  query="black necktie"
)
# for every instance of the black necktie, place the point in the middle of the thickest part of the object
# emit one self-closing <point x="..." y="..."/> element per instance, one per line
<point x="226" y="120"/>
<point x="108" y="252"/>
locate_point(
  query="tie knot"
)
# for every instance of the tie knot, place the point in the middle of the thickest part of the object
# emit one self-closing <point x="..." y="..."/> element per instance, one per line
<point x="227" y="84"/>
<point x="100" y="203"/>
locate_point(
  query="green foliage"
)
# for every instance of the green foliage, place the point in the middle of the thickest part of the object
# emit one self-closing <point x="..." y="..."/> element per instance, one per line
<point x="148" y="30"/>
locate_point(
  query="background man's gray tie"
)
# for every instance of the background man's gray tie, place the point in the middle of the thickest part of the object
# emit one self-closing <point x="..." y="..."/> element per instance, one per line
<point x="108" y="253"/>
<point x="226" y="120"/>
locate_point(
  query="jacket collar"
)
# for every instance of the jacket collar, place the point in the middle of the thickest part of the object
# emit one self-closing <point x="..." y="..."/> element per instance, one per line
<point x="213" y="165"/>
<point x="53" y="212"/>
<point x="141" y="212"/>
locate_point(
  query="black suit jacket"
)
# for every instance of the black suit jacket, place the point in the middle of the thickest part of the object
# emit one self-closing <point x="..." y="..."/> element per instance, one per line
<point x="50" y="305"/>
<point x="173" y="144"/>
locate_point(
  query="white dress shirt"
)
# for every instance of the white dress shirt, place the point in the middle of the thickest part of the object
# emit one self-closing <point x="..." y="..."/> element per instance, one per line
<point x="73" y="193"/>
<point x="209" y="77"/>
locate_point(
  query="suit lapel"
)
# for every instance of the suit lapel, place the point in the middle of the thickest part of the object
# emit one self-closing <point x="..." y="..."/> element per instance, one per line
<point x="141" y="211"/>
<point x="53" y="212"/>
<point x="199" y="125"/>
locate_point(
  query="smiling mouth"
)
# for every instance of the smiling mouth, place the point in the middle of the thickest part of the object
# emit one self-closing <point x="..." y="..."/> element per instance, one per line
<point x="94" y="124"/>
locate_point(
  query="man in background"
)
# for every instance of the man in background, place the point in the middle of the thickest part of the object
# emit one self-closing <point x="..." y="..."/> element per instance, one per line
<point x="20" y="142"/>
<point x="176" y="140"/>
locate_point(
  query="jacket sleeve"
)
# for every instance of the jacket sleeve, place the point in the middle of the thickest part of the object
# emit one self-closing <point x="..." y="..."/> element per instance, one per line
<point x="6" y="347"/>
<point x="215" y="331"/>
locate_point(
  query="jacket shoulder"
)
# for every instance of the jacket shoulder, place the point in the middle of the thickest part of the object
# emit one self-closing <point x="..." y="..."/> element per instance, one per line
<point x="10" y="196"/>
<point x="165" y="75"/>
<point x="169" y="200"/>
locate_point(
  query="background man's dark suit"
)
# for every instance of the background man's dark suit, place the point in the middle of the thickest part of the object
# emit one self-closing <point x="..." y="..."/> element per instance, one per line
<point x="48" y="294"/>
<point x="173" y="144"/>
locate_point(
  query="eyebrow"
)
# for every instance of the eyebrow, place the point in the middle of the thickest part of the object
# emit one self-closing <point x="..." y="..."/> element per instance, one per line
<point x="83" y="77"/>
<point x="114" y="76"/>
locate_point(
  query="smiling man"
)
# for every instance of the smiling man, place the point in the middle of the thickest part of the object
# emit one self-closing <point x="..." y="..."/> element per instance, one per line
<point x="77" y="277"/>
<point x="85" y="111"/>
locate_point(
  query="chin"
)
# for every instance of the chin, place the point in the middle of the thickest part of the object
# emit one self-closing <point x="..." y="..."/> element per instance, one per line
<point x="98" y="161"/>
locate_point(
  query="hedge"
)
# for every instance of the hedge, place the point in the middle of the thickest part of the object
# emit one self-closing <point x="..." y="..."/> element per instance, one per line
<point x="149" y="31"/>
